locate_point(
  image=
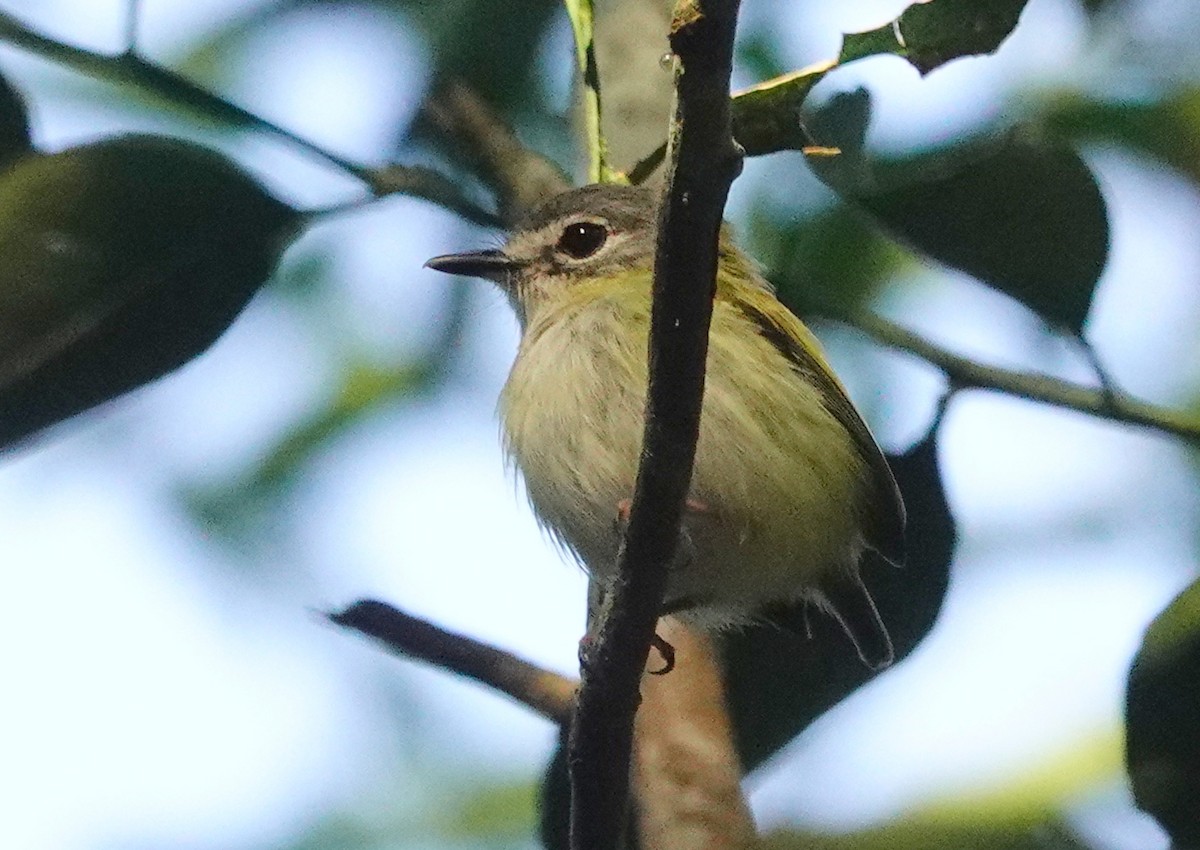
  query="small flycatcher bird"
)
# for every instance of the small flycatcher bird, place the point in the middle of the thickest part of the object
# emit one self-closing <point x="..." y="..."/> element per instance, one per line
<point x="789" y="486"/>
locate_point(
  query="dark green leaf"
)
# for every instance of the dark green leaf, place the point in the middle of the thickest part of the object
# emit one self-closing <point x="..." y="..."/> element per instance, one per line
<point x="1162" y="717"/>
<point x="1165" y="128"/>
<point x="932" y="33"/>
<point x="1025" y="216"/>
<point x="124" y="259"/>
<point x="780" y="680"/>
<point x="491" y="46"/>
<point x="14" y="124"/>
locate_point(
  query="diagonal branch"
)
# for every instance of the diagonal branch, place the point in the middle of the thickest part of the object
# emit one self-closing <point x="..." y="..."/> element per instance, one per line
<point x="546" y="692"/>
<point x="703" y="162"/>
<point x="471" y="130"/>
<point x="1104" y="403"/>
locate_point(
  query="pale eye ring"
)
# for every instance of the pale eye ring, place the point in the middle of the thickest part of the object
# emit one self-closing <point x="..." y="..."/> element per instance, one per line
<point x="582" y="239"/>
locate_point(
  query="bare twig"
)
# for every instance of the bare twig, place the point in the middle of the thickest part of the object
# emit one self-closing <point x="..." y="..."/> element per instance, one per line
<point x="966" y="374"/>
<point x="687" y="775"/>
<point x="128" y="68"/>
<point x="549" y="694"/>
<point x="521" y="178"/>
<point x="703" y="162"/>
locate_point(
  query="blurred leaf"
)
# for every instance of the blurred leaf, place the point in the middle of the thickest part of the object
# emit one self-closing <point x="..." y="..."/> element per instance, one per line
<point x="1162" y="716"/>
<point x="14" y="124"/>
<point x="124" y="259"/>
<point x="236" y="509"/>
<point x="780" y="680"/>
<point x="1167" y="129"/>
<point x="489" y="813"/>
<point x="491" y="46"/>
<point x="920" y="834"/>
<point x="1024" y="215"/>
<point x="931" y="33"/>
<point x="828" y="263"/>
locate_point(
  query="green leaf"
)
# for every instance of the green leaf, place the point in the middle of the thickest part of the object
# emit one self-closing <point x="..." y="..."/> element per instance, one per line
<point x="931" y="34"/>
<point x="1162" y="717"/>
<point x="1023" y="214"/>
<point x="780" y="680"/>
<point x="124" y="259"/>
<point x="926" y="833"/>
<point x="1166" y="128"/>
<point x="14" y="124"/>
<point x="766" y="117"/>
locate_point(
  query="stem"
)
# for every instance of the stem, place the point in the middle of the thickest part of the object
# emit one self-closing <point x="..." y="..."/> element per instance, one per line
<point x="1109" y="403"/>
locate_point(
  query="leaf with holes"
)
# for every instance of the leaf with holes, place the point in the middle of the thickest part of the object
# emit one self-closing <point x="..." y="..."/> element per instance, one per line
<point x="931" y="34"/>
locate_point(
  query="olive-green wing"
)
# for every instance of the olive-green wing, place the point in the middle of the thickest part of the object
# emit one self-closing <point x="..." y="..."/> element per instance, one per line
<point x="884" y="523"/>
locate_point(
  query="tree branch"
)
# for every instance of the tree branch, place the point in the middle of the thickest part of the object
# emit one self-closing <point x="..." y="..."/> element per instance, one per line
<point x="687" y="775"/>
<point x="469" y="128"/>
<point x="548" y="693"/>
<point x="703" y="162"/>
<point x="129" y="68"/>
<point x="1107" y="403"/>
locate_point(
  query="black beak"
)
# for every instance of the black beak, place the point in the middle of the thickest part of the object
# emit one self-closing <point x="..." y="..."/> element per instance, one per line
<point x="491" y="264"/>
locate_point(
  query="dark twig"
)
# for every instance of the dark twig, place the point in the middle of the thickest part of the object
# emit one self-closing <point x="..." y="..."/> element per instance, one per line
<point x="703" y="162"/>
<point x="520" y="178"/>
<point x="548" y="693"/>
<point x="968" y="374"/>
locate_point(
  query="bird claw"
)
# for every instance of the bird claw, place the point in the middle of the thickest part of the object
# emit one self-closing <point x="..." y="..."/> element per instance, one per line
<point x="588" y="642"/>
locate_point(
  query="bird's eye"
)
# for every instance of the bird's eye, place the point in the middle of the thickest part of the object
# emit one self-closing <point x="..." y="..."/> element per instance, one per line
<point x="581" y="239"/>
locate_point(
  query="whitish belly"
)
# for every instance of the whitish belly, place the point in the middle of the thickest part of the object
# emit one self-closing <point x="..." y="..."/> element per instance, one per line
<point x="772" y="501"/>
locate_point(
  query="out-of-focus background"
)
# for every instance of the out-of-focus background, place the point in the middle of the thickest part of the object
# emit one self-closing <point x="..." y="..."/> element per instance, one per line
<point x="166" y="678"/>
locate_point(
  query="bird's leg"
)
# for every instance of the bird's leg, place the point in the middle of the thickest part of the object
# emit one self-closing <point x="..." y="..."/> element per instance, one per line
<point x="685" y="552"/>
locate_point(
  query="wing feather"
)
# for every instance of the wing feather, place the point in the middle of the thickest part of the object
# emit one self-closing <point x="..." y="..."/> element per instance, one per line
<point x="884" y="519"/>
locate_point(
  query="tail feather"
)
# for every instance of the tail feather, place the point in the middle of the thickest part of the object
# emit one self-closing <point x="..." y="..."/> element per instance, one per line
<point x="850" y="603"/>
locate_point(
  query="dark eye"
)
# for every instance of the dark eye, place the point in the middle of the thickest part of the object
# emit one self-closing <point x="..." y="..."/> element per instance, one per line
<point x="582" y="239"/>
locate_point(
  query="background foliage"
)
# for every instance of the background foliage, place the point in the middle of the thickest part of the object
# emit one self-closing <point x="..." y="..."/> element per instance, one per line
<point x="294" y="465"/>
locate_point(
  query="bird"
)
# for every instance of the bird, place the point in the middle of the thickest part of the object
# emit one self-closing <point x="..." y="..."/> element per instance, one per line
<point x="789" y="488"/>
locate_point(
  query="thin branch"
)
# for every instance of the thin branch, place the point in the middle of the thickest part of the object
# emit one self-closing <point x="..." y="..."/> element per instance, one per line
<point x="467" y="126"/>
<point x="703" y="162"/>
<point x="549" y="694"/>
<point x="133" y="13"/>
<point x="1107" y="404"/>
<point x="128" y="68"/>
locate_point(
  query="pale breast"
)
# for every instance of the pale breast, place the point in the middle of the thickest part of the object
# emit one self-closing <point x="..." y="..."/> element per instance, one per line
<point x="776" y="479"/>
<point x="571" y="413"/>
